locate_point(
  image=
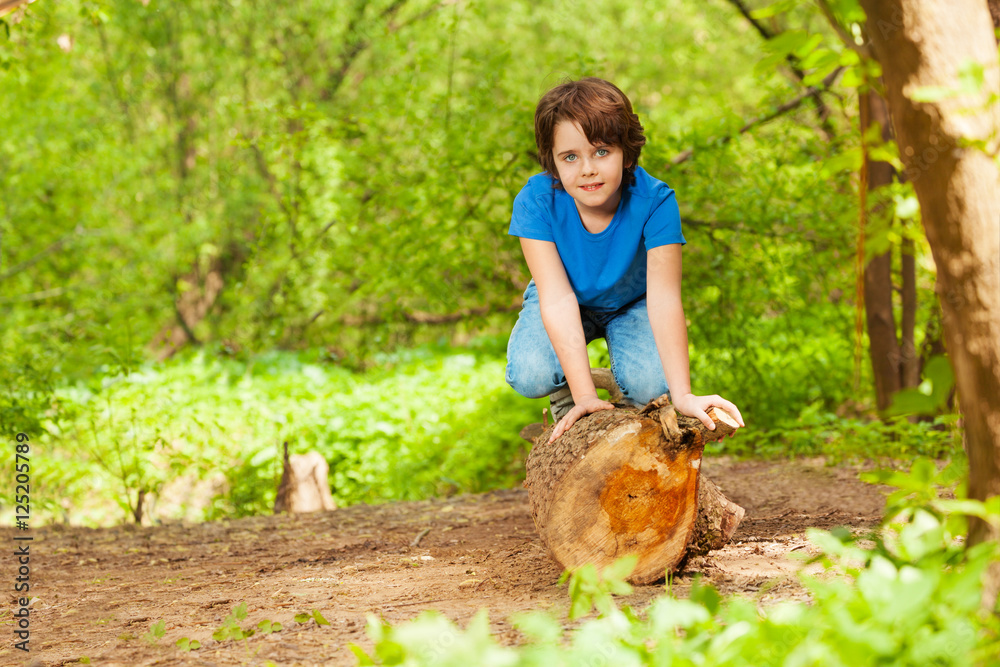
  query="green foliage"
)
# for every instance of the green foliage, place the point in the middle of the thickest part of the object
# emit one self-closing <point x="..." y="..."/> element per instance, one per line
<point x="425" y="422"/>
<point x="155" y="633"/>
<point x="346" y="171"/>
<point x="230" y="628"/>
<point x="187" y="644"/>
<point x="931" y="396"/>
<point x="589" y="590"/>
<point x="909" y="594"/>
<point x="817" y="432"/>
<point x="314" y="615"/>
<point x="266" y="627"/>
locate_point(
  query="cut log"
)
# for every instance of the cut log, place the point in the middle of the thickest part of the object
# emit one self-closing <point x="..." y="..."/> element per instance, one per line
<point x="623" y="482"/>
<point x="304" y="484"/>
<point x="717" y="520"/>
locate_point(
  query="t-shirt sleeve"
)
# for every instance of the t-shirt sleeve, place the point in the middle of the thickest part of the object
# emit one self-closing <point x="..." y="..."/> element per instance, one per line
<point x="663" y="226"/>
<point x="528" y="220"/>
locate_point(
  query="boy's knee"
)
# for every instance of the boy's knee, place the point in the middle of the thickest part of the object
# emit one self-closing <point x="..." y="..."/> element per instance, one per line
<point x="533" y="378"/>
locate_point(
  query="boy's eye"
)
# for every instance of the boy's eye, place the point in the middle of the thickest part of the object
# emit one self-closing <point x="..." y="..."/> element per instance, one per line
<point x="570" y="158"/>
<point x="601" y="152"/>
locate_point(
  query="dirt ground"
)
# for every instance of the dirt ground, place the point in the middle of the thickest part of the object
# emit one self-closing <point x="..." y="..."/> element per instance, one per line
<point x="100" y="590"/>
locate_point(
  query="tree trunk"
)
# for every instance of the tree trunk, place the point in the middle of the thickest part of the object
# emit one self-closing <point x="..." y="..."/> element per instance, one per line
<point x="883" y="347"/>
<point x="909" y="368"/>
<point x="623" y="482"/>
<point x="925" y="43"/>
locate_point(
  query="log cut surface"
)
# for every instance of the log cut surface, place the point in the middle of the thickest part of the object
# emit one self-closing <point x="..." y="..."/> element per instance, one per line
<point x="615" y="484"/>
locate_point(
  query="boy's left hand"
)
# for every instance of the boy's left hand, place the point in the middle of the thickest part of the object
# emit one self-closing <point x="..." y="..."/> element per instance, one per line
<point x="584" y="407"/>
<point x="697" y="406"/>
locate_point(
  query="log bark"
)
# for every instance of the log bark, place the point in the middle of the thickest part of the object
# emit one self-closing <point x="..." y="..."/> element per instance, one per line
<point x="717" y="520"/>
<point x="624" y="482"/>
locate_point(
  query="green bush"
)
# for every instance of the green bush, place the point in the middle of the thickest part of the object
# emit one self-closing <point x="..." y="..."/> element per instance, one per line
<point x="424" y="422"/>
<point x="818" y="432"/>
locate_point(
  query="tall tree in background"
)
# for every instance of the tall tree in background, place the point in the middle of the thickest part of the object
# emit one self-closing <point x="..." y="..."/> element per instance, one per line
<point x="948" y="146"/>
<point x="895" y="364"/>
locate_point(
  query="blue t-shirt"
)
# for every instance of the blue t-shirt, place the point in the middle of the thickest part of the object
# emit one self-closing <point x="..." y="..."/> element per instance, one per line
<point x="607" y="270"/>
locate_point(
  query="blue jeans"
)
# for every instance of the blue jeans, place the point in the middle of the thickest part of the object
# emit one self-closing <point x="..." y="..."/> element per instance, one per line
<point x="533" y="368"/>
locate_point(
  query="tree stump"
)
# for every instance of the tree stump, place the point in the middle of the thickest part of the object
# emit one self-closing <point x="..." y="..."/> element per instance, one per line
<point x="625" y="481"/>
<point x="304" y="484"/>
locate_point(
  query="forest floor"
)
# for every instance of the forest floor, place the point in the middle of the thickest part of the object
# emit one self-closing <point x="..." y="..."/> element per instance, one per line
<point x="100" y="590"/>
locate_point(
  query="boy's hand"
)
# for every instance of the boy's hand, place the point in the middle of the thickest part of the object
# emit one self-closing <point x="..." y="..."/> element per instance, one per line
<point x="697" y="406"/>
<point x="584" y="407"/>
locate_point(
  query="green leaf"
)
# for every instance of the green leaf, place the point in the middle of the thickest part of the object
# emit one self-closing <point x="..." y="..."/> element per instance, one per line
<point x="619" y="570"/>
<point x="774" y="9"/>
<point x="886" y="152"/>
<point x="302" y="617"/>
<point x="964" y="506"/>
<point x="787" y="42"/>
<point x="318" y="617"/>
<point x="186" y="644"/>
<point x="852" y="77"/>
<point x="907" y="207"/>
<point x="971" y="77"/>
<point x="848" y="160"/>
<point x="911" y="401"/>
<point x="364" y="660"/>
<point x="541" y="627"/>
<point x="933" y="93"/>
<point x="156" y="631"/>
<point x="706" y="595"/>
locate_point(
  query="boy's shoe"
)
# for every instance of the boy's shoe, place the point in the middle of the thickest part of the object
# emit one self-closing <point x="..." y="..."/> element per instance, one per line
<point x="560" y="402"/>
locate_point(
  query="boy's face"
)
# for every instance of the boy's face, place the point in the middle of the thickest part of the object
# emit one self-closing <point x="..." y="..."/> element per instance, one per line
<point x="591" y="175"/>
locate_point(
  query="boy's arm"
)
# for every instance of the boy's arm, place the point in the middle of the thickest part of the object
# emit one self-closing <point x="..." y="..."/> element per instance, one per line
<point x="666" y="317"/>
<point x="561" y="318"/>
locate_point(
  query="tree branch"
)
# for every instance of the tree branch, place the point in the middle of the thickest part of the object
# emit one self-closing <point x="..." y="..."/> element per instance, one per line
<point x="28" y="263"/>
<point x="354" y="45"/>
<point x="791" y="104"/>
<point x="760" y="27"/>
<point x="821" y="109"/>
<point x="7" y="6"/>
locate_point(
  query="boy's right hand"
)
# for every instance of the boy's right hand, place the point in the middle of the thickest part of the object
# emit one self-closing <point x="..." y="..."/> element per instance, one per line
<point x="583" y="407"/>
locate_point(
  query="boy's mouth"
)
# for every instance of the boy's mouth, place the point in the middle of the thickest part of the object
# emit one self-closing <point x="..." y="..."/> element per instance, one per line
<point x="592" y="187"/>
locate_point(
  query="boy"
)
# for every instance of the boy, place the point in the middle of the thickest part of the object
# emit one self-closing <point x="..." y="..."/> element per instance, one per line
<point x="602" y="239"/>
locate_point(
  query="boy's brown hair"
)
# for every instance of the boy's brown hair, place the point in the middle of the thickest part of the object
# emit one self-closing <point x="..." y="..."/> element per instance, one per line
<point x="604" y="114"/>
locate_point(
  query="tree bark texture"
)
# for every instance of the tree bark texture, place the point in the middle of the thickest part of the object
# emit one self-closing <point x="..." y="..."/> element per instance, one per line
<point x="923" y="43"/>
<point x="883" y="347"/>
<point x="622" y="482"/>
